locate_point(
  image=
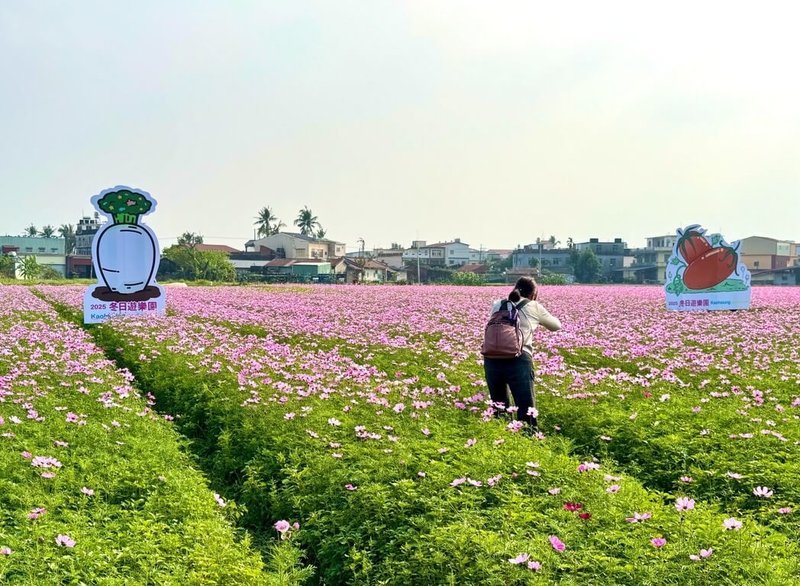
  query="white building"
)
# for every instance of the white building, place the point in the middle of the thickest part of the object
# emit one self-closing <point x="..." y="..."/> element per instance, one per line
<point x="292" y="245"/>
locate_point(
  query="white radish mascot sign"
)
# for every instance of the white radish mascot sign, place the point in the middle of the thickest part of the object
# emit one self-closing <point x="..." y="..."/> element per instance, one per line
<point x="125" y="256"/>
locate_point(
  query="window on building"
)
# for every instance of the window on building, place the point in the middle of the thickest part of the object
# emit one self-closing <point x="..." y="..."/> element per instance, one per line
<point x="41" y="249"/>
<point x="28" y="249"/>
<point x="755" y="264"/>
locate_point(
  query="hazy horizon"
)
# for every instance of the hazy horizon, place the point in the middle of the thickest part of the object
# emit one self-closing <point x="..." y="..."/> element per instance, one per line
<point x="395" y="121"/>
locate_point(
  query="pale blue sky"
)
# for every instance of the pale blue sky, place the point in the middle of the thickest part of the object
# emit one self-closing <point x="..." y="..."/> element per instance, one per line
<point x="495" y="122"/>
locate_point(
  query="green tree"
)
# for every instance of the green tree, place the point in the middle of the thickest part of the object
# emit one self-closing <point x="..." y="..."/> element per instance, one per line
<point x="533" y="262"/>
<point x="267" y="222"/>
<point x="32" y="230"/>
<point x="190" y="240"/>
<point x="29" y="267"/>
<point x="47" y="231"/>
<point x="587" y="267"/>
<point x="192" y="264"/>
<point x="321" y="232"/>
<point x="50" y="273"/>
<point x="467" y="279"/>
<point x="570" y="242"/>
<point x="306" y="221"/>
<point x="7" y="266"/>
<point x="67" y="232"/>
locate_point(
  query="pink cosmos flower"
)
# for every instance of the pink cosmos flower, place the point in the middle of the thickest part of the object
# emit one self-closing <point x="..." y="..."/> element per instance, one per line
<point x="349" y="486"/>
<point x="704" y="553"/>
<point x="587" y="466"/>
<point x="282" y="526"/>
<point x="458" y="481"/>
<point x="220" y="501"/>
<point x="333" y="421"/>
<point x="470" y="442"/>
<point x="520" y="559"/>
<point x="785" y="510"/>
<point x="36" y="513"/>
<point x="732" y="523"/>
<point x="557" y="544"/>
<point x="658" y="542"/>
<point x="686" y="479"/>
<point x="65" y="541"/>
<point x="535" y="566"/>
<point x="515" y="426"/>
<point x="87" y="491"/>
<point x="684" y="504"/>
<point x="554" y="490"/>
<point x="613" y="488"/>
<point x="421" y="474"/>
<point x="762" y="491"/>
<point x="572" y="507"/>
<point x="639" y="518"/>
<point x="5" y="551"/>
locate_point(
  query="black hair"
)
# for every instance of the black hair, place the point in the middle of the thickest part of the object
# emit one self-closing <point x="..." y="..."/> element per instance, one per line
<point x="524" y="287"/>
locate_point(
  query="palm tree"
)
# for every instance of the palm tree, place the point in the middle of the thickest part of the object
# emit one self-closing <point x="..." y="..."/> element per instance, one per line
<point x="276" y="228"/>
<point x="306" y="221"/>
<point x="67" y="232"/>
<point x="264" y="221"/>
<point x="321" y="232"/>
<point x="32" y="230"/>
<point x="47" y="231"/>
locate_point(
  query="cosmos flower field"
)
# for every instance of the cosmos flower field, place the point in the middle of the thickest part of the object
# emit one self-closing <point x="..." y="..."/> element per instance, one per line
<point x="343" y="435"/>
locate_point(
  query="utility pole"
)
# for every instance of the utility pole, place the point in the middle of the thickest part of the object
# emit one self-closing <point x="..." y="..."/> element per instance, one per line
<point x="417" y="242"/>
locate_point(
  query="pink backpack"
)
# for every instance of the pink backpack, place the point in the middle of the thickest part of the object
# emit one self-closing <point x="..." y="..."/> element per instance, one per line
<point x="502" y="337"/>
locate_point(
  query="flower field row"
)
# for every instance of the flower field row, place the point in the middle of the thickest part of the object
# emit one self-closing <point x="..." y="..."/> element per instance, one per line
<point x="93" y="486"/>
<point x="374" y="434"/>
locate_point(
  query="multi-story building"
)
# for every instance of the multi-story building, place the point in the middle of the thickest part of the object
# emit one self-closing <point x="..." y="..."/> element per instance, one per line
<point x="79" y="263"/>
<point x="292" y="245"/>
<point x="770" y="261"/>
<point x="48" y="251"/>
<point x="610" y="254"/>
<point x="650" y="263"/>
<point x="449" y="254"/>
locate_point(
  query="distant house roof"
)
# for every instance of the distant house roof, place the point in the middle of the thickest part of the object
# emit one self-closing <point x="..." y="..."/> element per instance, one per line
<point x="354" y="263"/>
<point x="473" y="268"/>
<point x="441" y="244"/>
<point x="216" y="248"/>
<point x="280" y="262"/>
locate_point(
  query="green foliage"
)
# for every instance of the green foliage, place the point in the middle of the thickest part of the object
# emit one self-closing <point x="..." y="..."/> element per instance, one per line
<point x="151" y="518"/>
<point x="47" y="231"/>
<point x="399" y="527"/>
<point x="587" y="266"/>
<point x="458" y="278"/>
<point x="7" y="266"/>
<point x="28" y="267"/>
<point x="190" y="240"/>
<point x="192" y="264"/>
<point x="307" y="222"/>
<point x="48" y="273"/>
<point x="124" y="206"/>
<point x="552" y="279"/>
<point x="67" y="232"/>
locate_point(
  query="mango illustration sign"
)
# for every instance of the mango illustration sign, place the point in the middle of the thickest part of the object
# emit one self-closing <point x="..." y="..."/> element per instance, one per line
<point x="125" y="255"/>
<point x="704" y="272"/>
